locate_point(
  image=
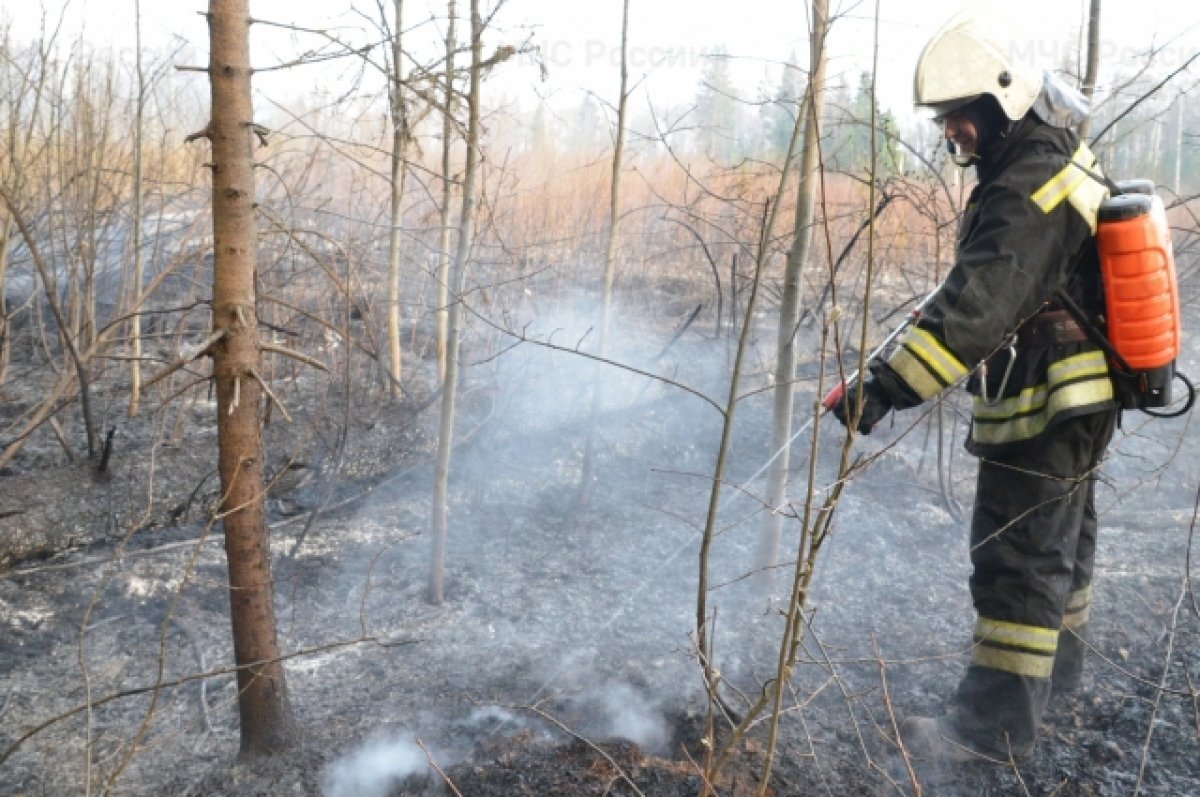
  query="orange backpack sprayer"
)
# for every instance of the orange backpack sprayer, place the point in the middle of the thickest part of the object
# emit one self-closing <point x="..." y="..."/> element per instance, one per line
<point x="1141" y="326"/>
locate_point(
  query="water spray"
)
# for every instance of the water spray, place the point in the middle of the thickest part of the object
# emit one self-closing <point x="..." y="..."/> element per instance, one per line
<point x="834" y="396"/>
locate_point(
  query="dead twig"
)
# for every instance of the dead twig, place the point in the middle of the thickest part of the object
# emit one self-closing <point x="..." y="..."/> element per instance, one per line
<point x="201" y="661"/>
<point x="522" y="337"/>
<point x="1190" y="589"/>
<point x="7" y="701"/>
<point x="1161" y="688"/>
<point x="1149" y="93"/>
<point x="1012" y="763"/>
<point x="675" y="338"/>
<point x="891" y="714"/>
<point x="186" y="679"/>
<point x="1156" y="686"/>
<point x="441" y="774"/>
<point x="704" y="782"/>
<point x="161" y="660"/>
<point x="198" y="352"/>
<point x="181" y="510"/>
<point x="295" y="355"/>
<point x="64" y="330"/>
<point x="271" y="394"/>
<point x="1187" y="561"/>
<point x="362" y="604"/>
<point x="56" y="427"/>
<point x="85" y="626"/>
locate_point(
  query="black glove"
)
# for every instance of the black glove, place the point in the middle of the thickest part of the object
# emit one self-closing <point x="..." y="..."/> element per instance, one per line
<point x="876" y="404"/>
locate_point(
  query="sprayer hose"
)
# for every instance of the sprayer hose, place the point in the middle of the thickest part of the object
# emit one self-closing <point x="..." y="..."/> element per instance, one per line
<point x="1187" y="405"/>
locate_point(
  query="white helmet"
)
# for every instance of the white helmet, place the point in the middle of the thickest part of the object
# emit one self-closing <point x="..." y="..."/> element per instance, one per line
<point x="965" y="60"/>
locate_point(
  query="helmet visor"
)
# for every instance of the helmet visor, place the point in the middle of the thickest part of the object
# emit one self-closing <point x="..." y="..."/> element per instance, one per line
<point x="942" y="109"/>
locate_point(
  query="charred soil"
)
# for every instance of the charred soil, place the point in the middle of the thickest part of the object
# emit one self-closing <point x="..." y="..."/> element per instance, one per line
<point x="560" y="662"/>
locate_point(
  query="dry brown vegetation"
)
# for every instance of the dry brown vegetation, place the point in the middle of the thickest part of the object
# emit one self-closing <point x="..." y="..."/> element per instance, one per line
<point x="690" y="233"/>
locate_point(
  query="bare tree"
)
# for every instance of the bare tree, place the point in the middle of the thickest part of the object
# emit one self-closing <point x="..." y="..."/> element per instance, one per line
<point x="401" y="138"/>
<point x="135" y="321"/>
<point x="267" y="724"/>
<point x="443" y="271"/>
<point x="614" y="201"/>
<point x="1177" y="176"/>
<point x="466" y="232"/>
<point x="715" y="758"/>
<point x="1093" y="59"/>
<point x="5" y="332"/>
<point x="610" y="255"/>
<point x="789" y="310"/>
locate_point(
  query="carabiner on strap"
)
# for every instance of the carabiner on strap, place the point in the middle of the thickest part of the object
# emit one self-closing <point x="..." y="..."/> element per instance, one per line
<point x="992" y="401"/>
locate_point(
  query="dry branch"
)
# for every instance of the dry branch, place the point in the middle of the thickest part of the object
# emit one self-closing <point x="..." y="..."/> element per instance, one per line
<point x="64" y="331"/>
<point x="441" y="774"/>
<point x="1145" y="96"/>
<point x="201" y="350"/>
<point x="56" y="427"/>
<point x="270" y="394"/>
<point x="295" y="355"/>
<point x="204" y="133"/>
<point x="187" y="679"/>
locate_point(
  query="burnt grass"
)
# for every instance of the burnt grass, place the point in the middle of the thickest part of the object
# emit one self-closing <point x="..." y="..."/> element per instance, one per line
<point x="560" y="662"/>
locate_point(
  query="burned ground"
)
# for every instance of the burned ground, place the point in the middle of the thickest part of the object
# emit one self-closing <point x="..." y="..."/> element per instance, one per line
<point x="560" y="662"/>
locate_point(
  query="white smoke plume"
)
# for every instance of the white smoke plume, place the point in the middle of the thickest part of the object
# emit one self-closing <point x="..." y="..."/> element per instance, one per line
<point x="630" y="715"/>
<point x="374" y="769"/>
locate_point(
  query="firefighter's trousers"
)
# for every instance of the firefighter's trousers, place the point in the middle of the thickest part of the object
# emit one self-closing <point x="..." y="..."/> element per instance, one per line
<point x="1033" y="544"/>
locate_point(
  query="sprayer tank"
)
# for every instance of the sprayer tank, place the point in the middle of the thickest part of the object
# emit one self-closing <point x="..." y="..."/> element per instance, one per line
<point x="1138" y="267"/>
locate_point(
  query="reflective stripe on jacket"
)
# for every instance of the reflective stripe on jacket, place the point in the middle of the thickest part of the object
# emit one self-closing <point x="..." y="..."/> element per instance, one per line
<point x="1073" y="382"/>
<point x="1028" y="230"/>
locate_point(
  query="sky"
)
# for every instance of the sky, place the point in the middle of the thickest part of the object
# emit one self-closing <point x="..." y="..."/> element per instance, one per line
<point x="578" y="40"/>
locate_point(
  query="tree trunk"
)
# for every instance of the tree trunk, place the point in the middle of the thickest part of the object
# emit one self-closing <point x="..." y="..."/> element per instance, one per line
<point x="1176" y="183"/>
<point x="614" y="200"/>
<point x="437" y="568"/>
<point x="1093" y="60"/>
<point x="267" y="724"/>
<point x="789" y="312"/>
<point x="5" y="333"/>
<point x="443" y="272"/>
<point x="400" y="137"/>
<point x="610" y="260"/>
<point x="135" y="321"/>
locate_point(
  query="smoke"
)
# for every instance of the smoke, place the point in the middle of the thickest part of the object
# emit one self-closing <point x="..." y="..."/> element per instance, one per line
<point x="538" y="414"/>
<point x="515" y="540"/>
<point x="614" y="710"/>
<point x="629" y="714"/>
<point x="609" y="710"/>
<point x="496" y="721"/>
<point x="374" y="769"/>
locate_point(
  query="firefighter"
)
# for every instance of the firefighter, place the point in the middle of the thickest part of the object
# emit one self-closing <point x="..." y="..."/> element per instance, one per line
<point x="1044" y="408"/>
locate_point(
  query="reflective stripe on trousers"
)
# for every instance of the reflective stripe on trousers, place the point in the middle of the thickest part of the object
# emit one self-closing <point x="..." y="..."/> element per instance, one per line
<point x="1033" y="542"/>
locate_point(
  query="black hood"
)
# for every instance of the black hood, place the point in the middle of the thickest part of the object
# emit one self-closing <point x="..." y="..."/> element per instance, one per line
<point x="1008" y="145"/>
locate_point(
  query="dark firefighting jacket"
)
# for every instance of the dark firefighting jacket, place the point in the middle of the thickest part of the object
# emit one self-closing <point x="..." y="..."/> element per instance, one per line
<point x="1028" y="231"/>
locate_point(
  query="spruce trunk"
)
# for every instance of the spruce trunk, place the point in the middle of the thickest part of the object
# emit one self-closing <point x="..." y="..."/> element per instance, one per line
<point x="267" y="725"/>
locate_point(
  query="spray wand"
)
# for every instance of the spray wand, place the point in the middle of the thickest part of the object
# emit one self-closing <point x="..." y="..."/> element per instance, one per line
<point x="835" y="395"/>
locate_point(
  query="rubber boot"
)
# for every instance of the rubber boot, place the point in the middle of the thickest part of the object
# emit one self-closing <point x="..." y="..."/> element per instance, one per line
<point x="934" y="739"/>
